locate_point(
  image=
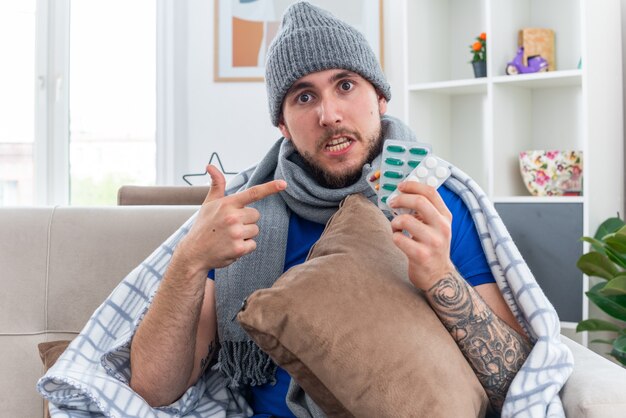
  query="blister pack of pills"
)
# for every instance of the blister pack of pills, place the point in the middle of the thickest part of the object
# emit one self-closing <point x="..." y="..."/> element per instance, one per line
<point x="399" y="159"/>
<point x="432" y="171"/>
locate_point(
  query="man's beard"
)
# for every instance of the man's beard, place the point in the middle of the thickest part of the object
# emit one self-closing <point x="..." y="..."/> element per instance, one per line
<point x="349" y="176"/>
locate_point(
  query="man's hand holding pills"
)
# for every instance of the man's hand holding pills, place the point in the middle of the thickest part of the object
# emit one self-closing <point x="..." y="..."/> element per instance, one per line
<point x="430" y="229"/>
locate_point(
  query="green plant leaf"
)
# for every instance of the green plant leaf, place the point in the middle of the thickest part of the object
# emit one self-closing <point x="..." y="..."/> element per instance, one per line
<point x="601" y="341"/>
<point x="597" y="325"/>
<point x="597" y="265"/>
<point x="617" y="241"/>
<point x="619" y="299"/>
<point x="615" y="257"/>
<point x="595" y="244"/>
<point x="608" y="227"/>
<point x="619" y="349"/>
<point x="615" y="286"/>
<point x="597" y="287"/>
<point x="614" y="306"/>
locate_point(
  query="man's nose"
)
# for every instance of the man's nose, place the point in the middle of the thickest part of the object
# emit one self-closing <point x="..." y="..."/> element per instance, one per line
<point x="330" y="113"/>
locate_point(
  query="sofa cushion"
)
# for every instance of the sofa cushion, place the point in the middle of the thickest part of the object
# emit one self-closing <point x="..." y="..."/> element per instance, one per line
<point x="355" y="334"/>
<point x="583" y="395"/>
<point x="92" y="249"/>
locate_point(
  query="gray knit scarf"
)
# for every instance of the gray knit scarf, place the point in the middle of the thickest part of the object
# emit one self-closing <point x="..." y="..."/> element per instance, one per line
<point x="240" y="360"/>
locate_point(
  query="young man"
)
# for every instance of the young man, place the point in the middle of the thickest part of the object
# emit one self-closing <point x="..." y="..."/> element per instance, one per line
<point x="327" y="95"/>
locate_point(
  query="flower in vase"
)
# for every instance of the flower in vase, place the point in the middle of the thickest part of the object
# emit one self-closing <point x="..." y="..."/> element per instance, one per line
<point x="479" y="48"/>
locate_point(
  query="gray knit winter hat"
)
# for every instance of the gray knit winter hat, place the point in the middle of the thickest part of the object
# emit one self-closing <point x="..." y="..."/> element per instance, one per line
<point x="310" y="40"/>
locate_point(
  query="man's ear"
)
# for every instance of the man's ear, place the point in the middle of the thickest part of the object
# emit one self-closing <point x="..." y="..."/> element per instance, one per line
<point x="382" y="104"/>
<point x="283" y="129"/>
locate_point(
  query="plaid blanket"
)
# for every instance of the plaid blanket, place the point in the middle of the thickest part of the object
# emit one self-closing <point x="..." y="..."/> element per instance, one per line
<point x="91" y="377"/>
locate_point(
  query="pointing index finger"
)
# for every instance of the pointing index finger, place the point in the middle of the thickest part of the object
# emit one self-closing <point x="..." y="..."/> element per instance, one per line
<point x="261" y="191"/>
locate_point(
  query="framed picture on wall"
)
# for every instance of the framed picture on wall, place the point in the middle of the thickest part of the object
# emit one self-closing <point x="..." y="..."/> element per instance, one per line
<point x="244" y="30"/>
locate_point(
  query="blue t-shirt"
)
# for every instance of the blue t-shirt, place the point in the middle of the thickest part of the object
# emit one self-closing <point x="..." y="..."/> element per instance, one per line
<point x="465" y="252"/>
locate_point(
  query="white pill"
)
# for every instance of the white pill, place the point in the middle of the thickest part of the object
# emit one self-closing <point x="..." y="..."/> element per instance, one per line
<point x="430" y="162"/>
<point x="441" y="172"/>
<point x="421" y="172"/>
<point x="432" y="181"/>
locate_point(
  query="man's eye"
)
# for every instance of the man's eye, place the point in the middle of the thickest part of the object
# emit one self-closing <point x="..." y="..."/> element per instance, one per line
<point x="304" y="98"/>
<point x="346" y="86"/>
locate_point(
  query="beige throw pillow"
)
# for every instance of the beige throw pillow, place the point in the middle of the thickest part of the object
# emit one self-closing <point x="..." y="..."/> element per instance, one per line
<point x="358" y="337"/>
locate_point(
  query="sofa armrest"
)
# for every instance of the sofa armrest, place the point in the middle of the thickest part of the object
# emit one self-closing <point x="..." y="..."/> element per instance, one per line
<point x="596" y="387"/>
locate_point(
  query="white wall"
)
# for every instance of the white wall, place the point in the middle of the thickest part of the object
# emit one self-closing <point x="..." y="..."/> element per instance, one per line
<point x="227" y="117"/>
<point x="232" y="117"/>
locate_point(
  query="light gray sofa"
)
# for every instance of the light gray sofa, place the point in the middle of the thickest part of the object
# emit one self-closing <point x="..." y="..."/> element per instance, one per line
<point x="58" y="264"/>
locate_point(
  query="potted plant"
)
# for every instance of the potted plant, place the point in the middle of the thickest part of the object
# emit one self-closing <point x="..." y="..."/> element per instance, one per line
<point x="607" y="261"/>
<point x="479" y="55"/>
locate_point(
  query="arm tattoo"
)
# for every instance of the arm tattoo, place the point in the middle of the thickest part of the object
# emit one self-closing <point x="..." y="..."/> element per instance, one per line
<point x="494" y="350"/>
<point x="207" y="360"/>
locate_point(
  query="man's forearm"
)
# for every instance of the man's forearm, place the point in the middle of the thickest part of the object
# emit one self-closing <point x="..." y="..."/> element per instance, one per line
<point x="163" y="349"/>
<point x="494" y="350"/>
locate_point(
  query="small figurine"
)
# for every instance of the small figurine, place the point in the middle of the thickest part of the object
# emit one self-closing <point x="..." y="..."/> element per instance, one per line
<point x="535" y="64"/>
